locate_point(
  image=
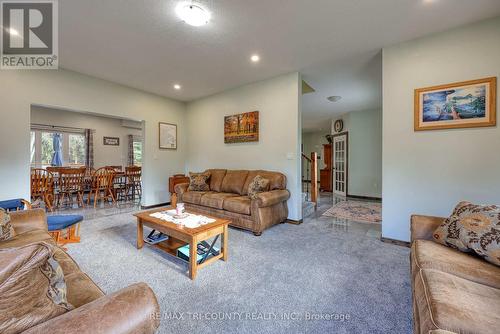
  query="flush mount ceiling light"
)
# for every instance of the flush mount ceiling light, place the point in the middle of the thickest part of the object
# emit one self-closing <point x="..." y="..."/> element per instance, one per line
<point x="193" y="14"/>
<point x="255" y="58"/>
<point x="334" y="98"/>
<point x="12" y="31"/>
<point x="177" y="86"/>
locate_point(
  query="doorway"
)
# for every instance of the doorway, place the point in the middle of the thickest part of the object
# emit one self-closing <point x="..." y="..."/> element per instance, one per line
<point x="340" y="163"/>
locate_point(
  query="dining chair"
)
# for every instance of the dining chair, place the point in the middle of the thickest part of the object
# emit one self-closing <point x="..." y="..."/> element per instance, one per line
<point x="42" y="187"/>
<point x="71" y="183"/>
<point x="116" y="168"/>
<point x="133" y="182"/>
<point x="102" y="185"/>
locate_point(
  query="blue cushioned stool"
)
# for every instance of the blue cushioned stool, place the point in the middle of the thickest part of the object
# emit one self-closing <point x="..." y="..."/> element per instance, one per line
<point x="58" y="224"/>
<point x="15" y="204"/>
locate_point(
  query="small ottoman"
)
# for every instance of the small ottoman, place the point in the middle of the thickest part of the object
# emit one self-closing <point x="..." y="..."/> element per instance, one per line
<point x="58" y="224"/>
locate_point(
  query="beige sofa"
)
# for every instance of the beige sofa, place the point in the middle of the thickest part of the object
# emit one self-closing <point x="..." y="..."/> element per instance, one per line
<point x="130" y="310"/>
<point x="453" y="292"/>
<point x="228" y="198"/>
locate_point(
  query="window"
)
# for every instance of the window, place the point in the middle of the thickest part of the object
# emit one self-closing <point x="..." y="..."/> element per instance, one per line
<point x="137" y="146"/>
<point x="73" y="147"/>
<point x="76" y="146"/>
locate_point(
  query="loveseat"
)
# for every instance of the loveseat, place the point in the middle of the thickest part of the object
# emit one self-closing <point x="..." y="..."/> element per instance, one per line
<point x="228" y="198"/>
<point x="453" y="292"/>
<point x="129" y="310"/>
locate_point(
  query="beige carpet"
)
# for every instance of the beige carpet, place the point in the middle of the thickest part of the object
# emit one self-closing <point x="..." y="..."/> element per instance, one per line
<point x="358" y="211"/>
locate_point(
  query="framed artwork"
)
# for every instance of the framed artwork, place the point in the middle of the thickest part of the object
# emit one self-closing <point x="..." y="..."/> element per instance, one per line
<point x="112" y="141"/>
<point x="168" y="136"/>
<point x="465" y="104"/>
<point x="241" y="128"/>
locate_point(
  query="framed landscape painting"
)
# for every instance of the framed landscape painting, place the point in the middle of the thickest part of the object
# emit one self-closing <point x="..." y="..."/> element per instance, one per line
<point x="465" y="104"/>
<point x="241" y="128"/>
<point x="168" y="136"/>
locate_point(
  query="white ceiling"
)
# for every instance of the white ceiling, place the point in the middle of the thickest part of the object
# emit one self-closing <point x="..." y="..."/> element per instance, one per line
<point x="334" y="43"/>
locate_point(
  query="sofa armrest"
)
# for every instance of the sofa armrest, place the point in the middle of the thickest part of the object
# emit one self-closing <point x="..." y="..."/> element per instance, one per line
<point x="272" y="197"/>
<point x="422" y="227"/>
<point x="181" y="188"/>
<point x="130" y="310"/>
<point x="28" y="220"/>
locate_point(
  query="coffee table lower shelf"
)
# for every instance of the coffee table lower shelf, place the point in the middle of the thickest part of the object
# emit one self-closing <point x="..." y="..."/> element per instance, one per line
<point x="179" y="237"/>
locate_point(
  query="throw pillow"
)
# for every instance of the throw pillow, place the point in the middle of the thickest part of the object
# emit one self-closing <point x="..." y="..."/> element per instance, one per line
<point x="257" y="185"/>
<point x="198" y="182"/>
<point x="32" y="287"/>
<point x="473" y="228"/>
<point x="6" y="229"/>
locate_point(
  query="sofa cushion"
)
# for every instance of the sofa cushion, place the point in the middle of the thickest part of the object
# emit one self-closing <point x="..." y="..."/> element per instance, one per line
<point x="6" y="229"/>
<point x="233" y="181"/>
<point x="277" y="181"/>
<point x="216" y="178"/>
<point x="199" y="181"/>
<point x="193" y="197"/>
<point x="81" y="289"/>
<point x="27" y="238"/>
<point x="215" y="200"/>
<point x="451" y="303"/>
<point x="473" y="228"/>
<point x="239" y="204"/>
<point x="32" y="287"/>
<point x="427" y="254"/>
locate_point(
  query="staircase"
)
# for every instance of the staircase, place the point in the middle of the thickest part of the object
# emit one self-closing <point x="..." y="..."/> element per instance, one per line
<point x="309" y="184"/>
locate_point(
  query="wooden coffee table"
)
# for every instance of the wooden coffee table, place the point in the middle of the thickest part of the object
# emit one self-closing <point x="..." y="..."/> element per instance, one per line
<point x="180" y="236"/>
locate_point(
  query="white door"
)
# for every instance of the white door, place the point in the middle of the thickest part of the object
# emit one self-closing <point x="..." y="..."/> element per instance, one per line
<point x="340" y="164"/>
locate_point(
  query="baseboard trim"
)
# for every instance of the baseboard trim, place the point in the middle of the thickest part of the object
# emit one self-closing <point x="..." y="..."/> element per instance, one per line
<point x="395" y="242"/>
<point x="145" y="207"/>
<point x="294" y="222"/>
<point x="366" y="197"/>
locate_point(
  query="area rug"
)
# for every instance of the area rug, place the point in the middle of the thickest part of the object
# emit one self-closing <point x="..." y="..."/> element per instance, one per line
<point x="307" y="278"/>
<point x="358" y="211"/>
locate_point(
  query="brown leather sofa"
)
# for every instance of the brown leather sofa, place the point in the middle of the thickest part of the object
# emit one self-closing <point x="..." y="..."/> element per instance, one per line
<point x="228" y="199"/>
<point x="453" y="292"/>
<point x="129" y="310"/>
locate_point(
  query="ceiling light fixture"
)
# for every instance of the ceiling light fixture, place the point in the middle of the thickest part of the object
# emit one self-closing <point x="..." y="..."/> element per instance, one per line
<point x="177" y="86"/>
<point x="192" y="14"/>
<point x="255" y="58"/>
<point x="13" y="32"/>
<point x="334" y="98"/>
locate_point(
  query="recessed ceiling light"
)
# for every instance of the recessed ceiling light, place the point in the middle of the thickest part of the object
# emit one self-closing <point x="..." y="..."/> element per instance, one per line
<point x="255" y="58"/>
<point x="334" y="98"/>
<point x="177" y="86"/>
<point x="13" y="32"/>
<point x="192" y="14"/>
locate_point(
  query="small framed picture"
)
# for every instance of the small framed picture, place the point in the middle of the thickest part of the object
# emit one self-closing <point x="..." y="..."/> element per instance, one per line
<point x="168" y="136"/>
<point x="467" y="104"/>
<point x="112" y="141"/>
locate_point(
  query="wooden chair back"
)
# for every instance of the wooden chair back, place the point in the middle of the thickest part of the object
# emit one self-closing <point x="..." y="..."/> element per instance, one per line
<point x="102" y="178"/>
<point x="42" y="182"/>
<point x="115" y="168"/>
<point x="71" y="179"/>
<point x="133" y="174"/>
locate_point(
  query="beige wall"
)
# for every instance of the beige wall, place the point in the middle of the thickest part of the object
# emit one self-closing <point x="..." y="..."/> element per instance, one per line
<point x="365" y="152"/>
<point x="428" y="172"/>
<point x="74" y="91"/>
<point x="278" y="147"/>
<point x="104" y="155"/>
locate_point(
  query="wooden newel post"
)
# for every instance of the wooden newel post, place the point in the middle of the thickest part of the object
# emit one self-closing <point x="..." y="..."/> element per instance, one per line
<point x="314" y="179"/>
